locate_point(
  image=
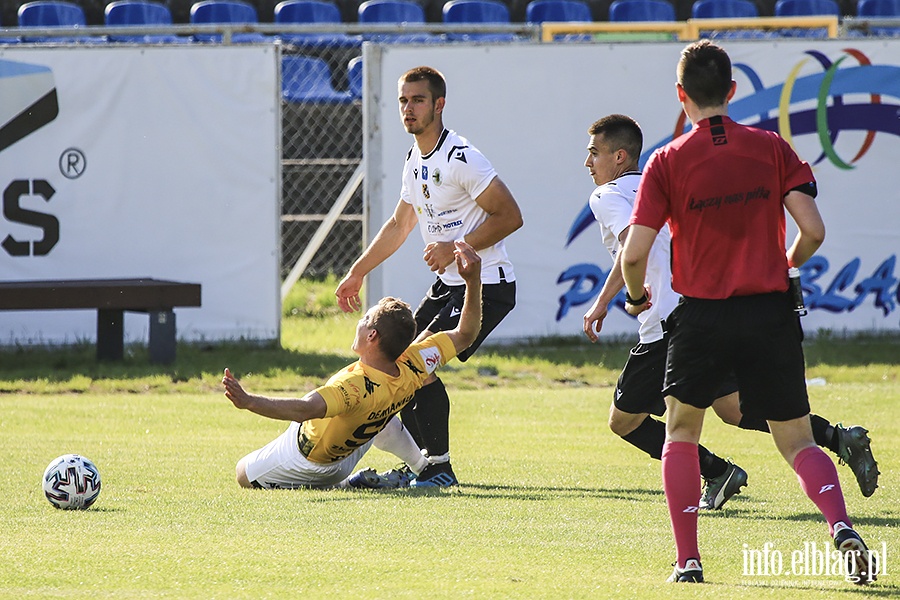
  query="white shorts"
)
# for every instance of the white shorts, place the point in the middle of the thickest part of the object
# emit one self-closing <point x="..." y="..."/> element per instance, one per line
<point x="279" y="464"/>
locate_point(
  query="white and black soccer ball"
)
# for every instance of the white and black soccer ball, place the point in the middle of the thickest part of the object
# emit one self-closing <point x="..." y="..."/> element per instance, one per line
<point x="71" y="482"/>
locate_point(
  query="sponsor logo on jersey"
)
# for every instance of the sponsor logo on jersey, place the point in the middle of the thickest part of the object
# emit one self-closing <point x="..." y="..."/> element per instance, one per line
<point x="457" y="153"/>
<point x="453" y="225"/>
<point x="370" y="386"/>
<point x="429" y="210"/>
<point x="431" y="356"/>
<point x="437" y="178"/>
<point x="425" y="172"/>
<point x="425" y="191"/>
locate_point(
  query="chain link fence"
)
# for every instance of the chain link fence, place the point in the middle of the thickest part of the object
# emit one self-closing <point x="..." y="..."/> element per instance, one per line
<point x="322" y="141"/>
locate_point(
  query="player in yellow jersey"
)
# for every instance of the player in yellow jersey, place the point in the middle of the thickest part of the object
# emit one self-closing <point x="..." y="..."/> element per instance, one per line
<point x="334" y="425"/>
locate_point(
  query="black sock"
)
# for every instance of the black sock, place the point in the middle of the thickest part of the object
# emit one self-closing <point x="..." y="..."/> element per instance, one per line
<point x="432" y="416"/>
<point x="407" y="415"/>
<point x="824" y="433"/>
<point x="754" y="424"/>
<point x="649" y="436"/>
<point x="711" y="465"/>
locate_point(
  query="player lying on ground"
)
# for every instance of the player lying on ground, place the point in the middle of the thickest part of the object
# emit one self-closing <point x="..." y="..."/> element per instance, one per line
<point x="333" y="426"/>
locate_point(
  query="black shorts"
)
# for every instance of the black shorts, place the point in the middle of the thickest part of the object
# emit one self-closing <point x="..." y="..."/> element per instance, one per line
<point x="440" y="309"/>
<point x="757" y="337"/>
<point x="640" y="386"/>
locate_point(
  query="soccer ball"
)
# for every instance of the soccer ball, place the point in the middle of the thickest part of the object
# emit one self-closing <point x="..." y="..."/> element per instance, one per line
<point x="71" y="482"/>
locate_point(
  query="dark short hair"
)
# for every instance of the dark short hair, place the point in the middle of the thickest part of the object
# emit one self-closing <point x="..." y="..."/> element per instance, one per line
<point x="704" y="73"/>
<point x="396" y="327"/>
<point x="437" y="85"/>
<point x="620" y="131"/>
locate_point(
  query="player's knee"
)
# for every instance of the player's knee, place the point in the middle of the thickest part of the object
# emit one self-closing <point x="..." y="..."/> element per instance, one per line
<point x="240" y="474"/>
<point x="621" y="423"/>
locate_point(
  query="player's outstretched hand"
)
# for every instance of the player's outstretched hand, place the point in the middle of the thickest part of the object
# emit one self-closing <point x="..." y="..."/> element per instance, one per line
<point x="468" y="263"/>
<point x="234" y="391"/>
<point x="347" y="293"/>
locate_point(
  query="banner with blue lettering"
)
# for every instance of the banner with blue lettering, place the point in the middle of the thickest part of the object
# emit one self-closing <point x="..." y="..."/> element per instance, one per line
<point x="528" y="109"/>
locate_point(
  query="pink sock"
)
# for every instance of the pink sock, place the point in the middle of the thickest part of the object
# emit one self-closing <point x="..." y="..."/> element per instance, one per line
<point x="681" y="482"/>
<point x="819" y="479"/>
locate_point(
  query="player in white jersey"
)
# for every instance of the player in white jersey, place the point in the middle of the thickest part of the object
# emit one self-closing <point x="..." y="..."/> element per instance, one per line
<point x="613" y="153"/>
<point x="451" y="191"/>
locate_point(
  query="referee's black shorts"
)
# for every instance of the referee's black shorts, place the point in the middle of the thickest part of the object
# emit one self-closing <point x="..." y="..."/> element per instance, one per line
<point x="757" y="337"/>
<point x="441" y="307"/>
<point x="640" y="385"/>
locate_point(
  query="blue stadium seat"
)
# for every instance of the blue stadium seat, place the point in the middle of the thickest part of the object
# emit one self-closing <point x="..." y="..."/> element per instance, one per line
<point x="641" y="10"/>
<point x="308" y="79"/>
<point x="234" y="12"/>
<point x="313" y="11"/>
<point x="477" y="11"/>
<point x="355" y="77"/>
<point x="395" y="11"/>
<point x="136" y="13"/>
<point x="539" y="11"/>
<point x="880" y="9"/>
<point x="54" y="13"/>
<point x="724" y="9"/>
<point x="727" y="9"/>
<point x="806" y="8"/>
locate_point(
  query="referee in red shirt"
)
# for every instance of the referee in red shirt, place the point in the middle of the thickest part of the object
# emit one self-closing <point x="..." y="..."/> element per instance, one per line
<point x="724" y="188"/>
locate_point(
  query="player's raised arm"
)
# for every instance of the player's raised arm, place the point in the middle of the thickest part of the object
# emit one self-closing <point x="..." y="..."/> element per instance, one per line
<point x="468" y="263"/>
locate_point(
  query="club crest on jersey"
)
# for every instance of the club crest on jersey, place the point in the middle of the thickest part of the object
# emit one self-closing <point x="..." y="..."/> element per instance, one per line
<point x="436" y="177"/>
<point x="425" y="191"/>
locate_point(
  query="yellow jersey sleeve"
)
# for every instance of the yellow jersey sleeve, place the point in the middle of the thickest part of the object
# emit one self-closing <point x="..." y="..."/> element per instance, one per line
<point x="344" y="391"/>
<point x="429" y="354"/>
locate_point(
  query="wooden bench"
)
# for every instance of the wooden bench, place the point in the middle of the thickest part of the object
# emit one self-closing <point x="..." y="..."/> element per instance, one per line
<point x="111" y="298"/>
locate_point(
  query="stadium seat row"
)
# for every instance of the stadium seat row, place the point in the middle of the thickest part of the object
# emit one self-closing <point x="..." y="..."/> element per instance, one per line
<point x="80" y="13"/>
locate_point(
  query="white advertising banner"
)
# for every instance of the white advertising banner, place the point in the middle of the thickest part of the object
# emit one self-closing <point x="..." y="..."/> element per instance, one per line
<point x="528" y="108"/>
<point x="143" y="162"/>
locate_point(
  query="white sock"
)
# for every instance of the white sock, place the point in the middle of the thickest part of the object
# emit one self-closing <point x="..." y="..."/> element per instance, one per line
<point x="440" y="458"/>
<point x="395" y="438"/>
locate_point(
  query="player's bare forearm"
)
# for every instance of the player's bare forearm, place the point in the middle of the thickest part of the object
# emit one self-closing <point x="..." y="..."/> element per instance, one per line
<point x="468" y="264"/>
<point x="593" y="318"/>
<point x="810" y="227"/>
<point x="615" y="281"/>
<point x="634" y="258"/>
<point x="311" y="406"/>
<point x="389" y="238"/>
<point x="387" y="241"/>
<point x="504" y="216"/>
